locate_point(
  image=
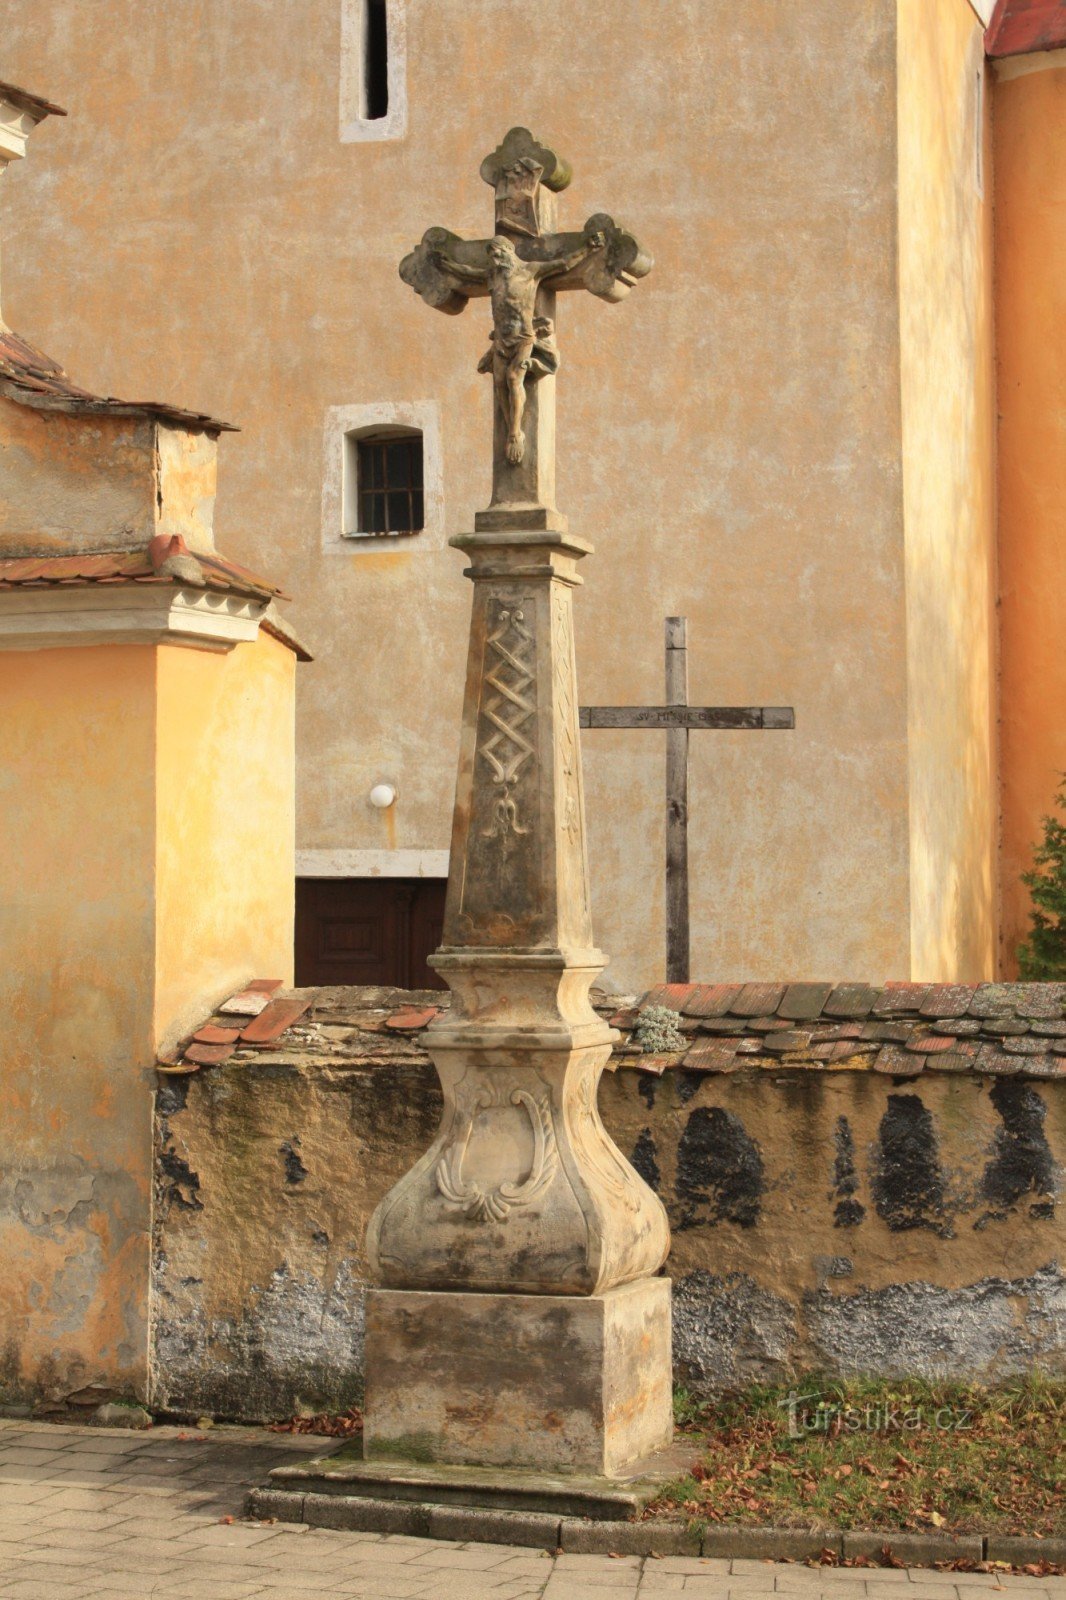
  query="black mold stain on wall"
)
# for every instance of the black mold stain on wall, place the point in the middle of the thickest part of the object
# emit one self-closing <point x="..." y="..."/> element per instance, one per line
<point x="720" y="1174"/>
<point x="644" y="1159"/>
<point x="687" y="1084"/>
<point x="848" y="1212"/>
<point x="647" y="1085"/>
<point x="907" y="1181"/>
<point x="295" y="1171"/>
<point x="1022" y="1162"/>
<point x="179" y="1185"/>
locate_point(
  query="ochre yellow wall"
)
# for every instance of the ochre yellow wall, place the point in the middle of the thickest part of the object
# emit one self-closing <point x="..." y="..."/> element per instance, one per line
<point x="145" y="872"/>
<point x="946" y="358"/>
<point x="1029" y="118"/>
<point x="225" y="808"/>
<point x="77" y="792"/>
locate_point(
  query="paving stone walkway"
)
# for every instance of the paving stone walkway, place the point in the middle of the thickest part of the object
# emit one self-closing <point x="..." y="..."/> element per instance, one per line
<point x="91" y="1513"/>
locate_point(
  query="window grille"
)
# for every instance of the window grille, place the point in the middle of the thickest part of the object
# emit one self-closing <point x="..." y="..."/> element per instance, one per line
<point x="389" y="485"/>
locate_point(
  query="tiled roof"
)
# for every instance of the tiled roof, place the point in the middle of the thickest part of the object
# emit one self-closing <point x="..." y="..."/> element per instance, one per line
<point x="34" y="379"/>
<point x="163" y="561"/>
<point x="1020" y="27"/>
<point x="900" y="1030"/>
<point x="36" y="104"/>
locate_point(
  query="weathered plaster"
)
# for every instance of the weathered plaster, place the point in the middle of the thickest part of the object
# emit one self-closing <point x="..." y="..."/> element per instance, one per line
<point x="77" y="483"/>
<point x="74" y="483"/>
<point x="224" y="820"/>
<point x="947" y="377"/>
<point x="146" y="872"/>
<point x="76" y="939"/>
<point x="948" y="1258"/>
<point x="186" y="481"/>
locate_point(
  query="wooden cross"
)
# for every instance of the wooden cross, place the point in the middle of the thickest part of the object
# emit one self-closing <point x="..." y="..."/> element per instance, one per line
<point x="678" y="718"/>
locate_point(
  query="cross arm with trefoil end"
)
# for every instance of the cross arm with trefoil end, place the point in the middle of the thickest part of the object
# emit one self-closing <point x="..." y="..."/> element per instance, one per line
<point x="520" y="270"/>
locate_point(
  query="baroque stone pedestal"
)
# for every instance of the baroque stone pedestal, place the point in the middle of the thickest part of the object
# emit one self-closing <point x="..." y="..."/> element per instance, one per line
<point x="518" y="1319"/>
<point x="572" y="1383"/>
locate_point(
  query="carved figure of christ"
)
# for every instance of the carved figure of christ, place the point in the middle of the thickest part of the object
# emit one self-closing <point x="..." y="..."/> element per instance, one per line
<point x="521" y="268"/>
<point x="513" y="286"/>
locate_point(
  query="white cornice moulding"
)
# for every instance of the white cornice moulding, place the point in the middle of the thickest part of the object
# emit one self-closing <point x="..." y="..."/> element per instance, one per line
<point x="49" y="619"/>
<point x="1008" y="67"/>
<point x="16" y="125"/>
<point x="371" y="863"/>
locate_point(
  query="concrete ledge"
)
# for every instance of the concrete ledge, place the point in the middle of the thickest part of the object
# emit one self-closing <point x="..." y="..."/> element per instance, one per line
<point x="916" y="1549"/>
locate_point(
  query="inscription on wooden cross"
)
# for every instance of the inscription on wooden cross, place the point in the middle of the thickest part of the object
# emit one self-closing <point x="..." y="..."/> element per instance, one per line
<point x="521" y="269"/>
<point x="678" y="719"/>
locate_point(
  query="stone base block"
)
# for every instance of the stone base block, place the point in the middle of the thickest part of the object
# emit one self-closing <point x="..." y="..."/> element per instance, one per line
<point x="552" y="1382"/>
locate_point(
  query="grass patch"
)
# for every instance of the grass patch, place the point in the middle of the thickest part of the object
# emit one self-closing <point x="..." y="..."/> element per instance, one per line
<point x="912" y="1455"/>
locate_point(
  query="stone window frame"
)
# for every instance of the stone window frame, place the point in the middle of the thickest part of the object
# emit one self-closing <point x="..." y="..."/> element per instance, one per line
<point x="355" y="126"/>
<point x="343" y="422"/>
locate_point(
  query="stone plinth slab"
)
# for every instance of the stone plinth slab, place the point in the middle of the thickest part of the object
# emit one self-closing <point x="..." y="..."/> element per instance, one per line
<point x="573" y="1383"/>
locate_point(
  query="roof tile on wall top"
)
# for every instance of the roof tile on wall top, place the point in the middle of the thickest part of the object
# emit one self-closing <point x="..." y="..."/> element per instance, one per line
<point x="908" y="1028"/>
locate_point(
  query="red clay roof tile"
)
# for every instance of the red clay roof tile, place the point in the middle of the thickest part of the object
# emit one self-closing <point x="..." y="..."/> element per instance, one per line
<point x="272" y="1021"/>
<point x="131" y="566"/>
<point x="28" y="375"/>
<point x="412" y="1019"/>
<point x="208" y="1055"/>
<point x="210" y="1034"/>
<point x="1021" y="27"/>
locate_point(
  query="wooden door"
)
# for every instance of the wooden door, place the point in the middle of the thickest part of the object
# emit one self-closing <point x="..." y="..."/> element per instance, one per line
<point x="376" y="931"/>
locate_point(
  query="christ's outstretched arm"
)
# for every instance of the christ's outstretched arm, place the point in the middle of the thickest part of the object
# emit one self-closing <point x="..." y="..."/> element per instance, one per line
<point x="458" y="269"/>
<point x="554" y="269"/>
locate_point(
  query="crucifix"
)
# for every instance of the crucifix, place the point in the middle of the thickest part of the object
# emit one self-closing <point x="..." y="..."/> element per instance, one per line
<point x="515" y="1266"/>
<point x="678" y="719"/>
<point x="521" y="269"/>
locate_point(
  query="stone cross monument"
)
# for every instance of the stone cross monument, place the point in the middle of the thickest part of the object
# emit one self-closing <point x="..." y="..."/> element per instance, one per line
<point x="518" y="1319"/>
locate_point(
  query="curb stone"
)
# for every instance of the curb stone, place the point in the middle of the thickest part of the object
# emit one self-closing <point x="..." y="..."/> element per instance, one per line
<point x="538" y="1529"/>
<point x="1019" y="1551"/>
<point x="264" y="1503"/>
<point x="578" y="1537"/>
<point x="771" y="1544"/>
<point x="368" y="1516"/>
<point x="920" y="1549"/>
<point x="592" y="1536"/>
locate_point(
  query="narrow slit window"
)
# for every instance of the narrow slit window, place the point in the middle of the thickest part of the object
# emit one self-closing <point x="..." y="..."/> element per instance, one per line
<point x="388" y="481"/>
<point x="375" y="61"/>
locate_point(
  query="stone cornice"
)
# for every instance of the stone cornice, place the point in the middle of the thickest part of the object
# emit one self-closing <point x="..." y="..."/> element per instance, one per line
<point x="47" y="619"/>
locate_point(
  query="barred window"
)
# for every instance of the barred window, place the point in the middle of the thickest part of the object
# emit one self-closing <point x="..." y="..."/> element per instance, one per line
<point x="388" y="484"/>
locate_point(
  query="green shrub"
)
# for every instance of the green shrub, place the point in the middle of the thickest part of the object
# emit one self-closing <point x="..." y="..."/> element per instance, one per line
<point x="1042" y="955"/>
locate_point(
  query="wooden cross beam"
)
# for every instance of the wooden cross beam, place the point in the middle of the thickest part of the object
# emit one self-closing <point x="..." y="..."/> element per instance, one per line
<point x="678" y="719"/>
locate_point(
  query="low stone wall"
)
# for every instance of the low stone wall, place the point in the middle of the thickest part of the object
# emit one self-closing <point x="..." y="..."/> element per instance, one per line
<point x="824" y="1216"/>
